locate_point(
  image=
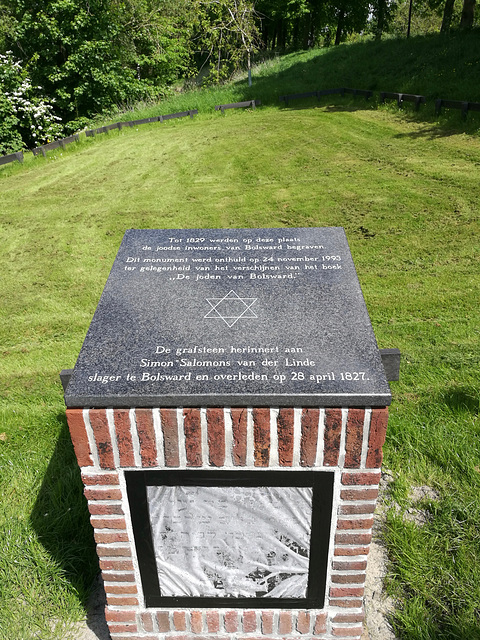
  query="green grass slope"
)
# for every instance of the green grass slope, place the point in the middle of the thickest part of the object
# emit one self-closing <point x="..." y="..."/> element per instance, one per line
<point x="406" y="193"/>
<point x="435" y="66"/>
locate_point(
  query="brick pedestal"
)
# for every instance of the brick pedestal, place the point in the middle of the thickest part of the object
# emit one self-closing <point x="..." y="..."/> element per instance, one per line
<point x="346" y="441"/>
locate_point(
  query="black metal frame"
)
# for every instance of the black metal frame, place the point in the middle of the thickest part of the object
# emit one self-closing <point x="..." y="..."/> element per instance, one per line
<point x="320" y="481"/>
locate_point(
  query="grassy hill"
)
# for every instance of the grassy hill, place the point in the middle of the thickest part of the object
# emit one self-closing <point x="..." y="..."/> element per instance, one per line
<point x="434" y="66"/>
<point x="407" y="193"/>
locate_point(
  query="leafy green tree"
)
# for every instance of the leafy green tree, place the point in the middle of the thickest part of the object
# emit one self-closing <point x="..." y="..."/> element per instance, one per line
<point x="350" y="16"/>
<point x="92" y="54"/>
<point x="382" y="12"/>
<point x="225" y="35"/>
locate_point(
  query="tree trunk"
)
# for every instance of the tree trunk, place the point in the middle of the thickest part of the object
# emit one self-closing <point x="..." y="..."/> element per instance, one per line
<point x="409" y="18"/>
<point x="380" y="20"/>
<point x="338" y="36"/>
<point x="447" y="16"/>
<point x="468" y="11"/>
<point x="282" y="36"/>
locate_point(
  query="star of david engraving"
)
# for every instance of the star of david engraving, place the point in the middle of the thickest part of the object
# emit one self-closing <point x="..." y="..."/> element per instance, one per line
<point x="231" y="308"/>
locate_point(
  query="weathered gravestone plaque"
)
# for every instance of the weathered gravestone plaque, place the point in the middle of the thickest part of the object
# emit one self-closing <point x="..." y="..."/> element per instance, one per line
<point x="242" y="317"/>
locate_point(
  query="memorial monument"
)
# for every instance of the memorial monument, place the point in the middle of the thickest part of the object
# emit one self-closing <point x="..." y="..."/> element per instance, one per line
<point x="228" y="410"/>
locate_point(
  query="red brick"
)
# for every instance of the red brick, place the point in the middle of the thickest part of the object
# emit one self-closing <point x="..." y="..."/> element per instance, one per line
<point x="163" y="621"/>
<point x="346" y="592"/>
<point x="170" y="437"/>
<point x="303" y="622"/>
<point x="376" y="438"/>
<point x="122" y="628"/>
<point x="101" y="433"/>
<point x="142" y="637"/>
<point x="249" y="621"/>
<point x="121" y="419"/>
<point x="284" y="622"/>
<point x="320" y="624"/>
<point x="355" y="523"/>
<point x="309" y="438"/>
<point x="193" y="437"/>
<point x="267" y="622"/>
<point x="359" y="478"/>
<point x="354" y="438"/>
<point x="261" y="436"/>
<point x="100" y="479"/>
<point x="351" y="551"/>
<point x="196" y="621"/>
<point x="239" y="429"/>
<point x="353" y="538"/>
<point x="179" y="621"/>
<point x="108" y="523"/>
<point x="122" y="601"/>
<point x="346" y="603"/>
<point x="105" y="509"/>
<point x="78" y="434"/>
<point x="118" y="577"/>
<point x="359" y="494"/>
<point x="108" y="551"/>
<point x="147" y="621"/>
<point x="92" y="493"/>
<point x="356" y="509"/>
<point x="349" y="617"/>
<point x="116" y="565"/>
<point x="146" y="437"/>
<point x="353" y="578"/>
<point x="347" y="632"/>
<point x="213" y="621"/>
<point x="285" y="437"/>
<point x="119" y="616"/>
<point x="106" y="538"/>
<point x="333" y="432"/>
<point x="231" y="621"/>
<point x="352" y="565"/>
<point x="216" y="437"/>
<point x="118" y="589"/>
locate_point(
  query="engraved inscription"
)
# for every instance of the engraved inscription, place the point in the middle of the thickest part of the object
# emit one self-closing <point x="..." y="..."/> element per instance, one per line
<point x="230" y="541"/>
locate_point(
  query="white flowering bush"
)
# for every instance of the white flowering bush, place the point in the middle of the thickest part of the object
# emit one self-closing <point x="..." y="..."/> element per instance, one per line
<point x="27" y="119"/>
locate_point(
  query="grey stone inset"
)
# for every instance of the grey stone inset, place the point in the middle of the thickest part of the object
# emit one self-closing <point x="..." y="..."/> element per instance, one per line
<point x="199" y="536"/>
<point x="242" y="317"/>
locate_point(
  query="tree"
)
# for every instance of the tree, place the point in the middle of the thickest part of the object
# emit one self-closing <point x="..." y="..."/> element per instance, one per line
<point x="468" y="14"/>
<point x="383" y="12"/>
<point x="26" y="116"/>
<point x="225" y="35"/>
<point x="92" y="54"/>
<point x="447" y="16"/>
<point x="350" y="16"/>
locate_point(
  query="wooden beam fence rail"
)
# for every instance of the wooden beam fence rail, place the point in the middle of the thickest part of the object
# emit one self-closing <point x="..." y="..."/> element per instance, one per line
<point x="42" y="149"/>
<point x="464" y="106"/>
<point x="238" y="105"/>
<point x="133" y="123"/>
<point x="402" y="97"/>
<point x="12" y="157"/>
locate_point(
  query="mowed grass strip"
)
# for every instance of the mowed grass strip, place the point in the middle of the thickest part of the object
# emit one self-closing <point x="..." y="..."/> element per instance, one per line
<point x="407" y="198"/>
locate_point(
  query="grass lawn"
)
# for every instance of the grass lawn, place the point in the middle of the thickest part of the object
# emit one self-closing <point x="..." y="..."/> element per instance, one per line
<point x="407" y="195"/>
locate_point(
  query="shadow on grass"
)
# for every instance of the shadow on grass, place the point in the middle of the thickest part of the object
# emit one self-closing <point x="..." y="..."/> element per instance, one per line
<point x="461" y="399"/>
<point x="61" y="520"/>
<point x="435" y="66"/>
